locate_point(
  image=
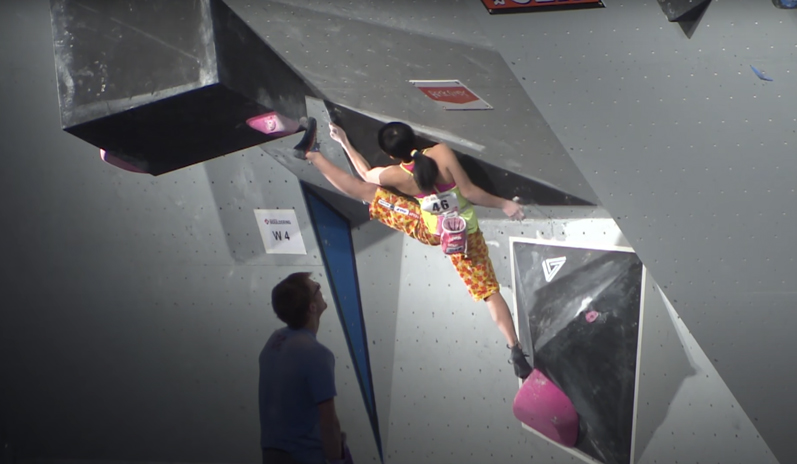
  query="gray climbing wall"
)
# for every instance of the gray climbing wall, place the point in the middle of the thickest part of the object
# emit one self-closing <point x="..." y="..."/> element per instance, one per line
<point x="685" y="412"/>
<point x="694" y="156"/>
<point x="449" y="390"/>
<point x="134" y="308"/>
<point x="363" y="54"/>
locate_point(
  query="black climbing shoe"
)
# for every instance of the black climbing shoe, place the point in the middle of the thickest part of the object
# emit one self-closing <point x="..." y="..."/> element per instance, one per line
<point x="583" y="429"/>
<point x="308" y="141"/>
<point x="518" y="360"/>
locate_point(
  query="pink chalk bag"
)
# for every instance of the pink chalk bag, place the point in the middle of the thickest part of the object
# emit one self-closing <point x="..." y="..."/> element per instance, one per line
<point x="451" y="227"/>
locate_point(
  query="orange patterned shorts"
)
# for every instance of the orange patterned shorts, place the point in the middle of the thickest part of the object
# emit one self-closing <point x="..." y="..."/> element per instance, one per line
<point x="476" y="268"/>
<point x="404" y="215"/>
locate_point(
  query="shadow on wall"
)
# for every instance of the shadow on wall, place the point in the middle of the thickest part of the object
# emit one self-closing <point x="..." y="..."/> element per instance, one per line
<point x="252" y="179"/>
<point x="665" y="365"/>
<point x="380" y="252"/>
<point x="237" y="190"/>
<point x="362" y="130"/>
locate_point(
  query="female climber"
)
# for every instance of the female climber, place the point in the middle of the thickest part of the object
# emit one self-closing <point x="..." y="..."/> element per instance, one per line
<point x="443" y="215"/>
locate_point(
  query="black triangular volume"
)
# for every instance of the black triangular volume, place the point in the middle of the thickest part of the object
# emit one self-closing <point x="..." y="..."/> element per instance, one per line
<point x="683" y="10"/>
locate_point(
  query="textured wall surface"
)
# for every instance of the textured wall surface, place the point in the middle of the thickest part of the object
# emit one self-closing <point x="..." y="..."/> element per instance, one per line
<point x="693" y="154"/>
<point x="363" y="54"/>
<point x="685" y="411"/>
<point x="135" y="307"/>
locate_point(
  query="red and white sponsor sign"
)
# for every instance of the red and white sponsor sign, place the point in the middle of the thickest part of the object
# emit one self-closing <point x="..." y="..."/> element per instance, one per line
<point x="451" y="95"/>
<point x="517" y="6"/>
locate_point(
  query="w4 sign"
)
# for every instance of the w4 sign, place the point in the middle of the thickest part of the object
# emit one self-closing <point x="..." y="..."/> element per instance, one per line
<point x="280" y="231"/>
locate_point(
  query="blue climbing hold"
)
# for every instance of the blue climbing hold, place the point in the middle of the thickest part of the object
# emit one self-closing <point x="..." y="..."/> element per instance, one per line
<point x="760" y="74"/>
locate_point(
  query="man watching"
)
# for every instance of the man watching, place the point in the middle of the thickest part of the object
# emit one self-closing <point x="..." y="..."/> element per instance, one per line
<point x="297" y="392"/>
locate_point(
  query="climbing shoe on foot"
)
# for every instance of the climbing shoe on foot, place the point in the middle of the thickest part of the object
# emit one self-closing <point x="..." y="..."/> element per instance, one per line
<point x="308" y="141"/>
<point x="518" y="361"/>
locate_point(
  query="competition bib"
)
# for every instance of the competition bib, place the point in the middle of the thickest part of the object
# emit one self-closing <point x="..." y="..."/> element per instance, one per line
<point x="441" y="203"/>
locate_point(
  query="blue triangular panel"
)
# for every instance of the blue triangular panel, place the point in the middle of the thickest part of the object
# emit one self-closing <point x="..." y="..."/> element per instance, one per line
<point x="337" y="250"/>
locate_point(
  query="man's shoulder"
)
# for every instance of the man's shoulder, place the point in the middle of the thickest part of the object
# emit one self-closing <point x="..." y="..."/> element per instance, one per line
<point x="323" y="348"/>
<point x="279" y="334"/>
<point x="312" y="351"/>
<point x="306" y="341"/>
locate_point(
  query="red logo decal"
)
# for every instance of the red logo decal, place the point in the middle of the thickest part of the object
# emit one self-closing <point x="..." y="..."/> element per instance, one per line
<point x="456" y="95"/>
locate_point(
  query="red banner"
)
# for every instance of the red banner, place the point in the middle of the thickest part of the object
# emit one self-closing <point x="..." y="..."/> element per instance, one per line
<point x="451" y="94"/>
<point x="459" y="95"/>
<point x="518" y="6"/>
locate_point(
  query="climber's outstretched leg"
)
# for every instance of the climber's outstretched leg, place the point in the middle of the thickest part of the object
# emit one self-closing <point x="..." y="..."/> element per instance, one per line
<point x="395" y="211"/>
<point x="342" y="180"/>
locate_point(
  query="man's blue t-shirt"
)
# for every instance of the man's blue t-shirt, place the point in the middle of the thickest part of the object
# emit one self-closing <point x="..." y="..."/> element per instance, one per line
<point x="296" y="373"/>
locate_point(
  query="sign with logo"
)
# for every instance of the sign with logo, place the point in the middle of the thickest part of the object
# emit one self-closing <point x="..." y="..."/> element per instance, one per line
<point x="550" y="267"/>
<point x="451" y="95"/>
<point x="280" y="231"/>
<point x="521" y="6"/>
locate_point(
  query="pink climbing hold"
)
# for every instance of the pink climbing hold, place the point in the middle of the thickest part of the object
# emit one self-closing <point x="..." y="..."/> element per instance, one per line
<point x="541" y="405"/>
<point x="273" y="124"/>
<point x="591" y="316"/>
<point x="114" y="160"/>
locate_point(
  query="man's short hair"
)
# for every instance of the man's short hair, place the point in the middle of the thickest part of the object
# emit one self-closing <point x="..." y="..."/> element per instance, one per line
<point x="291" y="299"/>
